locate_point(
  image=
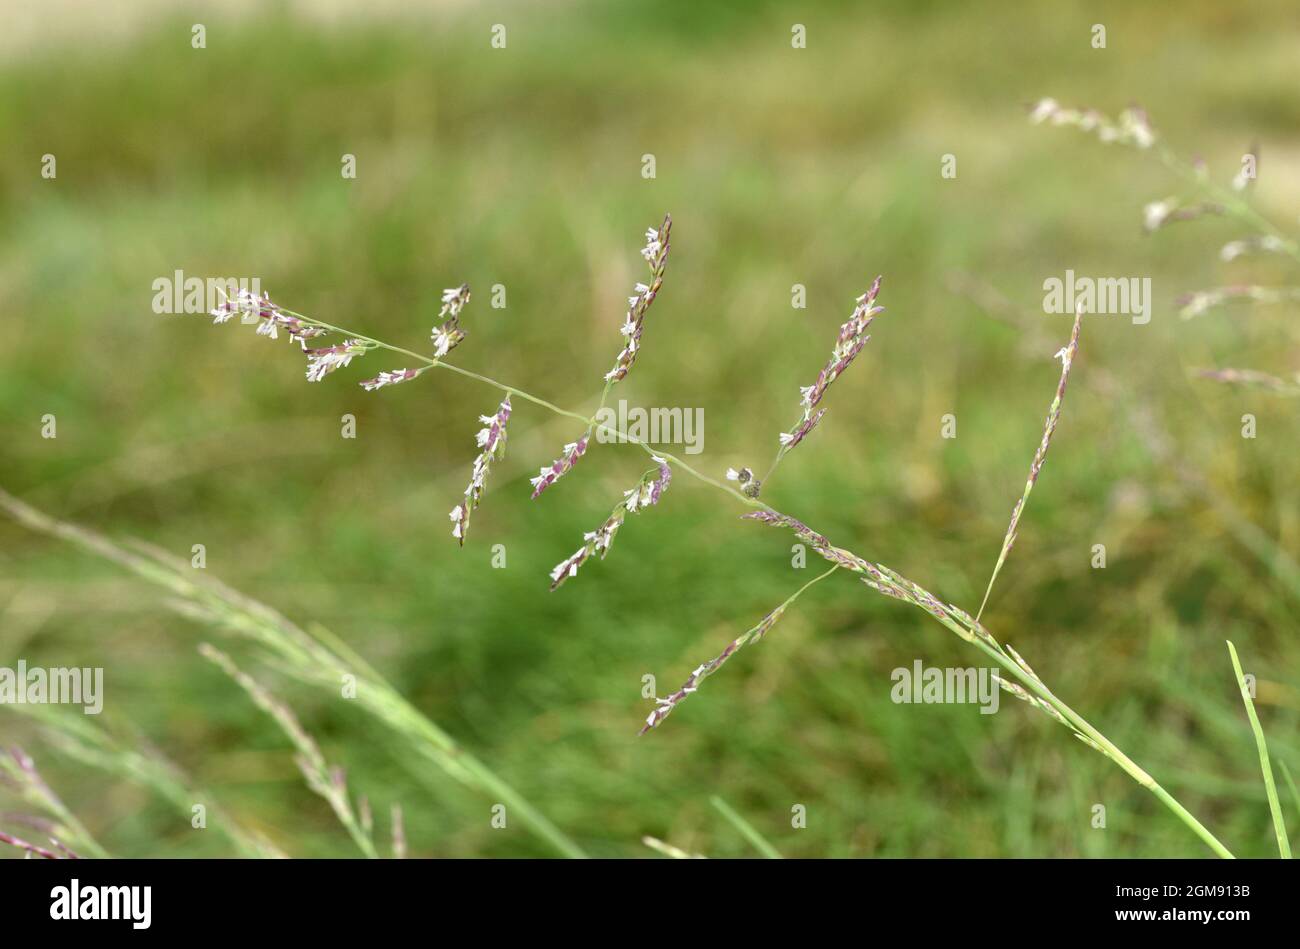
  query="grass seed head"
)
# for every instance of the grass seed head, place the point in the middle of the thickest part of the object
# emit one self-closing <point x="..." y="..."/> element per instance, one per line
<point x="492" y="440"/>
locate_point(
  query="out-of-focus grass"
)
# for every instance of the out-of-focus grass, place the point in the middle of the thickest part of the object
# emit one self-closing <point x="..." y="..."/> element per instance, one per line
<point x="780" y="166"/>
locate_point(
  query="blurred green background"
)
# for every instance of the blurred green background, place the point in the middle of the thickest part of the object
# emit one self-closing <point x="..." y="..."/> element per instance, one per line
<point x="522" y="167"/>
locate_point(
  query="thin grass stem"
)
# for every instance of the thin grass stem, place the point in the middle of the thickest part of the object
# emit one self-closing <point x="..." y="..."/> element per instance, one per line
<point x="747" y="830"/>
<point x="1270" y="788"/>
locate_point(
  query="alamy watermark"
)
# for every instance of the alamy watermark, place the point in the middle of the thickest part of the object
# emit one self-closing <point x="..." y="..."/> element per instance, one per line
<point x="133" y="904"/>
<point x="55" y="686"/>
<point x="1129" y="296"/>
<point x="938" y="685"/>
<point x="658" y="426"/>
<point x="181" y="294"/>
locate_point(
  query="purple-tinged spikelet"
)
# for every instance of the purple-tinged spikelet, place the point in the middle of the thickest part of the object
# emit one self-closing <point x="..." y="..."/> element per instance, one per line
<point x="1133" y="127"/>
<point x="492" y="441"/>
<point x="321" y="362"/>
<point x="38" y="851"/>
<point x="655" y="253"/>
<point x="790" y="439"/>
<point x="651" y="488"/>
<point x="1253" y="379"/>
<point x="391" y="378"/>
<point x="647" y="492"/>
<point x="1265" y="242"/>
<point x="664" y="706"/>
<point x="271" y="319"/>
<point x="448" y="335"/>
<point x="853" y="336"/>
<point x="1157" y="214"/>
<point x="802" y="530"/>
<point x="880" y="578"/>
<point x="560" y="466"/>
<point x="1195" y="304"/>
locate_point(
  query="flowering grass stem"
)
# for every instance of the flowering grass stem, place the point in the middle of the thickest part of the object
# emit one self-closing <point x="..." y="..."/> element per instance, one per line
<point x="614" y="432"/>
<point x="1066" y="355"/>
<point x="665" y="706"/>
<point x="1132" y="129"/>
<point x="310" y="655"/>
<point x="328" y="782"/>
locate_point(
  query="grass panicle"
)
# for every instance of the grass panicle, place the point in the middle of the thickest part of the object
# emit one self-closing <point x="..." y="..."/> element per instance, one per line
<point x="314" y="660"/>
<point x="1066" y="354"/>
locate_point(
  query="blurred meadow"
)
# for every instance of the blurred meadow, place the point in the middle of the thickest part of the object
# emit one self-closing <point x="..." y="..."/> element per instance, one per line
<point x="522" y="166"/>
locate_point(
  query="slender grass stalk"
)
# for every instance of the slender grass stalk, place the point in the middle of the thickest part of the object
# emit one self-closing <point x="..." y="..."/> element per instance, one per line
<point x="328" y="782"/>
<point x="1274" y="806"/>
<point x="1155" y="442"/>
<point x="655" y="254"/>
<point x="19" y="771"/>
<point x="1231" y="201"/>
<point x="747" y="830"/>
<point x="1133" y="129"/>
<point x="665" y="706"/>
<point x="91" y="745"/>
<point x="1290" y="783"/>
<point x="1253" y="379"/>
<point x="34" y="850"/>
<point x="1067" y="354"/>
<point x="851" y="340"/>
<point x="306" y="657"/>
<point x="1034" y="691"/>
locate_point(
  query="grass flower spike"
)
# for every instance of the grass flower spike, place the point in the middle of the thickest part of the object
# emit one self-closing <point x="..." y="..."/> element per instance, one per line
<point x="853" y="336"/>
<point x="1066" y="354"/>
<point x="1133" y="127"/>
<point x="270" y="318"/>
<point x="448" y="335"/>
<point x="492" y="440"/>
<point x="665" y="706"/>
<point x="1254" y="379"/>
<point x="392" y="378"/>
<point x="321" y="362"/>
<point x="648" y="492"/>
<point x="560" y="466"/>
<point x="655" y="253"/>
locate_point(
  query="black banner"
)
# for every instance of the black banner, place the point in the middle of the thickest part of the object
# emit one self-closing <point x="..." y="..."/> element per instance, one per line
<point x="330" y="898"/>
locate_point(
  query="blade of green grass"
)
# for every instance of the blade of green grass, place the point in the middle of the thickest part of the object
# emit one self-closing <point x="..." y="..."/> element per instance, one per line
<point x="746" y="828"/>
<point x="1290" y="783"/>
<point x="308" y="658"/>
<point x="1274" y="806"/>
<point x="94" y="746"/>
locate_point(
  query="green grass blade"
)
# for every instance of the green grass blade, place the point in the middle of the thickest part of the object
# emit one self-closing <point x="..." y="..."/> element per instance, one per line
<point x="1290" y="783"/>
<point x="746" y="829"/>
<point x="1274" y="806"/>
<point x="208" y="601"/>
